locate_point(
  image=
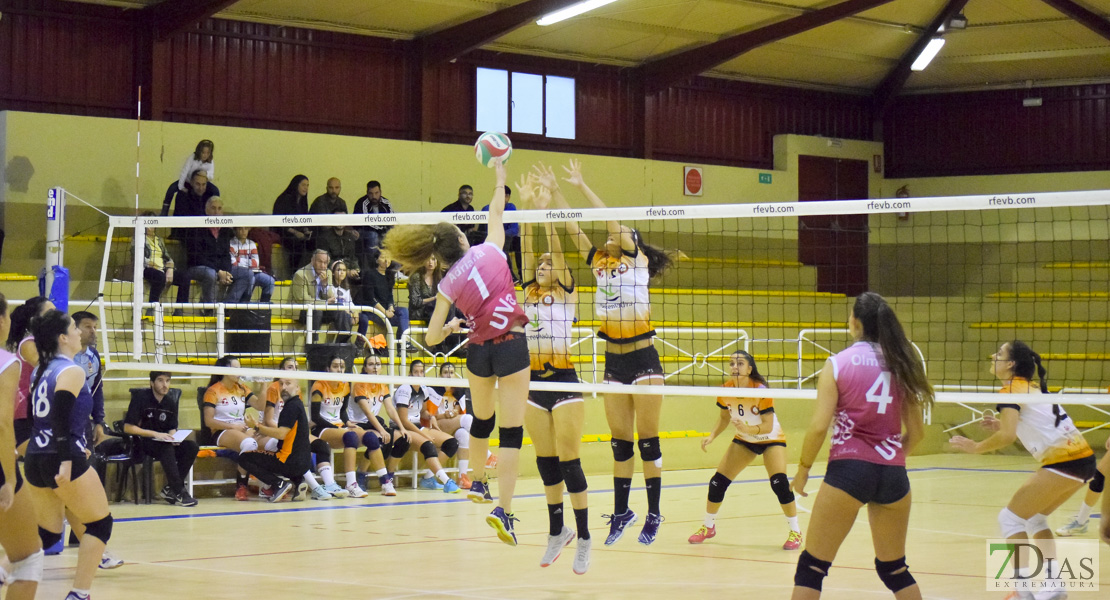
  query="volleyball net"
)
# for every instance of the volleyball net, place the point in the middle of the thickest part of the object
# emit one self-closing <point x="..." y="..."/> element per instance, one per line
<point x="776" y="280"/>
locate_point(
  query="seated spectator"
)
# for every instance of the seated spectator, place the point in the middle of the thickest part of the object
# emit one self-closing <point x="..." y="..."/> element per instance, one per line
<point x="423" y="285"/>
<point x="200" y="160"/>
<point x="512" y="238"/>
<point x="152" y="417"/>
<point x="295" y="241"/>
<point x="191" y="201"/>
<point x="377" y="291"/>
<point x="265" y="239"/>
<point x="312" y="285"/>
<point x="373" y="203"/>
<point x="278" y="470"/>
<point x="244" y="253"/>
<point x="209" y="262"/>
<point x="158" y="267"/>
<point x="341" y="289"/>
<point x="330" y="202"/>
<point x="340" y="242"/>
<point x="463" y="204"/>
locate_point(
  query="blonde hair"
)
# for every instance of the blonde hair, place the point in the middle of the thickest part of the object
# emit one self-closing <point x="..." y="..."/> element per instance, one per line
<point x="413" y="245"/>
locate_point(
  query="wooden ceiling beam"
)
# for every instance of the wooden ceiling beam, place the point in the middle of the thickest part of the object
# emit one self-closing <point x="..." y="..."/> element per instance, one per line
<point x="453" y="42"/>
<point x="896" y="78"/>
<point x="1086" y="17"/>
<point x="173" y="16"/>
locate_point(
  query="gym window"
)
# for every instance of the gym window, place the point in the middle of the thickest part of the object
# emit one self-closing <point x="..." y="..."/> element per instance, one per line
<point x="525" y="103"/>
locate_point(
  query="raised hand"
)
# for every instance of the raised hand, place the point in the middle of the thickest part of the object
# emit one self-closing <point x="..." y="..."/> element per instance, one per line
<point x="543" y="198"/>
<point x="499" y="170"/>
<point x="574" y="173"/>
<point x="545" y="176"/>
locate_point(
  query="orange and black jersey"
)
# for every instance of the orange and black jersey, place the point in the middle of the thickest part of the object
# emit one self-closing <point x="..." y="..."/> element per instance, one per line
<point x="294" y="449"/>
<point x="329" y="403"/>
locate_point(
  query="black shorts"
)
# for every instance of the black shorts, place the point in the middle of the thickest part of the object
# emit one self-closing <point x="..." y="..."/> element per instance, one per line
<point x="549" y="401"/>
<point x="18" y="479"/>
<point x="757" y="449"/>
<point x="501" y="356"/>
<point x="41" y="469"/>
<point x="1081" y="469"/>
<point x="23" y="430"/>
<point x="632" y="367"/>
<point x="868" y="482"/>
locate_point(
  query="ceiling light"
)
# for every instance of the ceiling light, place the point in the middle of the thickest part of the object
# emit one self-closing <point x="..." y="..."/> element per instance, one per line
<point x="572" y="11"/>
<point x="928" y="54"/>
<point x="957" y="22"/>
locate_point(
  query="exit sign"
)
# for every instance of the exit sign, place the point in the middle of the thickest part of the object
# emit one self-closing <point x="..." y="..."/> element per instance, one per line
<point x="764" y="178"/>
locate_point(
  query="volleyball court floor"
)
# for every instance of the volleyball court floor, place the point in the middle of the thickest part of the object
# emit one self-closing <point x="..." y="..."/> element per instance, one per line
<point x="425" y="544"/>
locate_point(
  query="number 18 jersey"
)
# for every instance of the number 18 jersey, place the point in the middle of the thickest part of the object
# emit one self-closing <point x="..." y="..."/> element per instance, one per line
<point x="481" y="286"/>
<point x="869" y="409"/>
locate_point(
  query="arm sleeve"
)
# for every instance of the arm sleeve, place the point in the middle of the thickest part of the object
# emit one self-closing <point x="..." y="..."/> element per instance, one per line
<point x="61" y="414"/>
<point x="999" y="407"/>
<point x="317" y="420"/>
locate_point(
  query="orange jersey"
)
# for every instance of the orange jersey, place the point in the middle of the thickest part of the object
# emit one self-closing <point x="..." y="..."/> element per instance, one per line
<point x="333" y="397"/>
<point x="375" y="394"/>
<point x="1045" y="430"/>
<point x="551" y="316"/>
<point x="230" y="404"/>
<point x="622" y="301"/>
<point x="273" y="397"/>
<point x="751" y="411"/>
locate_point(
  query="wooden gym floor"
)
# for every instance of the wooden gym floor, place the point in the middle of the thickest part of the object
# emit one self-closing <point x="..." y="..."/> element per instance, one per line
<point x="424" y="544"/>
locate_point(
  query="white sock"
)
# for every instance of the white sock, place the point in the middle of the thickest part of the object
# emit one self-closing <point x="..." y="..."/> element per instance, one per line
<point x="441" y="475"/>
<point x="310" y="479"/>
<point x="1084" y="513"/>
<point x="380" y="472"/>
<point x="80" y="593"/>
<point x="710" y="519"/>
<point x="352" y="478"/>
<point x="326" y="475"/>
<point x="793" y="523"/>
<point x="464" y="466"/>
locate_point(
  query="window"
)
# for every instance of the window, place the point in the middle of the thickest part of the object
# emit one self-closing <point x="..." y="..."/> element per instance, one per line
<point x="525" y="103"/>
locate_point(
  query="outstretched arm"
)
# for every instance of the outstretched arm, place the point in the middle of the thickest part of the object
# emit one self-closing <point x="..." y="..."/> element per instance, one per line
<point x="526" y="190"/>
<point x="496" y="234"/>
<point x="575" y="178"/>
<point x="547" y="179"/>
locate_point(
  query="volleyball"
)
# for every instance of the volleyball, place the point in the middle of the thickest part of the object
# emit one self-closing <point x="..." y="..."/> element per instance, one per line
<point x="493" y="146"/>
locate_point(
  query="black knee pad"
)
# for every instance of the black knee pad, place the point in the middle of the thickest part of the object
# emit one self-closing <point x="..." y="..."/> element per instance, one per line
<point x="1097" y="482"/>
<point x="718" y="485"/>
<point x="895" y="574"/>
<point x="400" y="447"/>
<point x="350" y="440"/>
<point x="481" y="428"/>
<point x="573" y="475"/>
<point x="780" y="485"/>
<point x="321" y="449"/>
<point x="549" y="470"/>
<point x="428" y="450"/>
<point x="511" y="437"/>
<point x="101" y="530"/>
<point x="622" y="450"/>
<point x="811" y="571"/>
<point x="49" y="538"/>
<point x="371" y="441"/>
<point x="449" y="447"/>
<point x="649" y="450"/>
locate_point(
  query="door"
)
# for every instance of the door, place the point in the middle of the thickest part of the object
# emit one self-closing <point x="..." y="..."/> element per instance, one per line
<point x="835" y="244"/>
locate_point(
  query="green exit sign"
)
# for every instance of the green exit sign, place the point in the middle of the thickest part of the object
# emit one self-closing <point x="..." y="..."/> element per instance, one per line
<point x="764" y="178"/>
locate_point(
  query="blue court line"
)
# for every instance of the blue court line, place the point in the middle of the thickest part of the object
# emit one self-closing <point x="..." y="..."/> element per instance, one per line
<point x="464" y="499"/>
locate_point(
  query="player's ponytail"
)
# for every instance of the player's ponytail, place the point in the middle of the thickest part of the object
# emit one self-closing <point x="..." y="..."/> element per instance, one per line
<point x="658" y="260"/>
<point x="46" y="329"/>
<point x="1028" y="363"/>
<point x="21" y="321"/>
<point x="413" y="245"/>
<point x="881" y="325"/>
<point x="223" y="361"/>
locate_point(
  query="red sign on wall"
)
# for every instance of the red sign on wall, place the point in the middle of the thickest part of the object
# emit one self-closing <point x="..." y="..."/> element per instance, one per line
<point x="692" y="182"/>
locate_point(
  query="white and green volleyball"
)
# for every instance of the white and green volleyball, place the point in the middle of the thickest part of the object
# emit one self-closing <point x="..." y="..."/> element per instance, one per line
<point x="493" y="146"/>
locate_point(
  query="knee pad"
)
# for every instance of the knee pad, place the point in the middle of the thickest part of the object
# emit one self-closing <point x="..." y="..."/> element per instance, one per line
<point x="463" y="437"/>
<point x="1098" y="482"/>
<point x="1010" y="524"/>
<point x="549" y="470"/>
<point x="573" y="476"/>
<point x="271" y="445"/>
<point x="449" y="447"/>
<point x="622" y="450"/>
<point x="511" y="437"/>
<point x="650" y="452"/>
<point x="350" y="439"/>
<point x="400" y="448"/>
<point x="780" y="485"/>
<point x="49" y="538"/>
<point x="895" y="574"/>
<point x="1035" y="524"/>
<point x="718" y="485"/>
<point x="248" y="445"/>
<point x="466" y="422"/>
<point x="321" y="449"/>
<point x="371" y="441"/>
<point x="428" y="450"/>
<point x="481" y="428"/>
<point x="811" y="571"/>
<point x="101" y="530"/>
<point x="28" y="569"/>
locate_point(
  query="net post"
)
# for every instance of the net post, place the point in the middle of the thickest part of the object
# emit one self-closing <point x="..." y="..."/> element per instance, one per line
<point x="308" y="314"/>
<point x="801" y="336"/>
<point x="138" y="237"/>
<point x="55" y="232"/>
<point x="100" y="294"/>
<point x="220" y="329"/>
<point x="159" y="333"/>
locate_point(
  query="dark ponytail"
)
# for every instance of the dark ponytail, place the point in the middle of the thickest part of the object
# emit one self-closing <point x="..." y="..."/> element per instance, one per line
<point x="755" y="370"/>
<point x="223" y="361"/>
<point x="46" y="329"/>
<point x="881" y="325"/>
<point x="658" y="260"/>
<point x="1027" y="363"/>
<point x="21" y="321"/>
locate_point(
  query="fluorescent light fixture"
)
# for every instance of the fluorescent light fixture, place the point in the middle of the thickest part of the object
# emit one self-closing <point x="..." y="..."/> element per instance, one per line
<point x="928" y="54"/>
<point x="572" y="11"/>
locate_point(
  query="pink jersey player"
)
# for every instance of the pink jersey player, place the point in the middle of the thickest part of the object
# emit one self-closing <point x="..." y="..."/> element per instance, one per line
<point x="24" y="391"/>
<point x="481" y="286"/>
<point x="869" y="408"/>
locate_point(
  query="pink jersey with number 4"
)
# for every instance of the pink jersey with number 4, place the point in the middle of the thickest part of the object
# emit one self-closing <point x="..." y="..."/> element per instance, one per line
<point x="869" y="410"/>
<point x="481" y="286"/>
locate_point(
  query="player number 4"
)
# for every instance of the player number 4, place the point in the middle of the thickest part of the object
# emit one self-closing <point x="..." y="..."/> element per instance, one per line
<point x="880" y="392"/>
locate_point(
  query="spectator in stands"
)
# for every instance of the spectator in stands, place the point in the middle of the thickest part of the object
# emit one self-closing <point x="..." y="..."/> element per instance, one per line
<point x="200" y="160"/>
<point x="152" y="418"/>
<point x="209" y="262"/>
<point x="89" y="360"/>
<point x="329" y="202"/>
<point x="512" y="237"/>
<point x="244" y="253"/>
<point x="464" y="204"/>
<point x="295" y="241"/>
<point x="312" y="285"/>
<point x="190" y="202"/>
<point x="373" y="203"/>
<point x="341" y="289"/>
<point x="340" y="242"/>
<point x="158" y="268"/>
<point x="377" y="291"/>
<point x="422" y="290"/>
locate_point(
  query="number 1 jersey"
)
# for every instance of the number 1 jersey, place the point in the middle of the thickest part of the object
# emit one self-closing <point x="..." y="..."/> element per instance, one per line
<point x="481" y="286"/>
